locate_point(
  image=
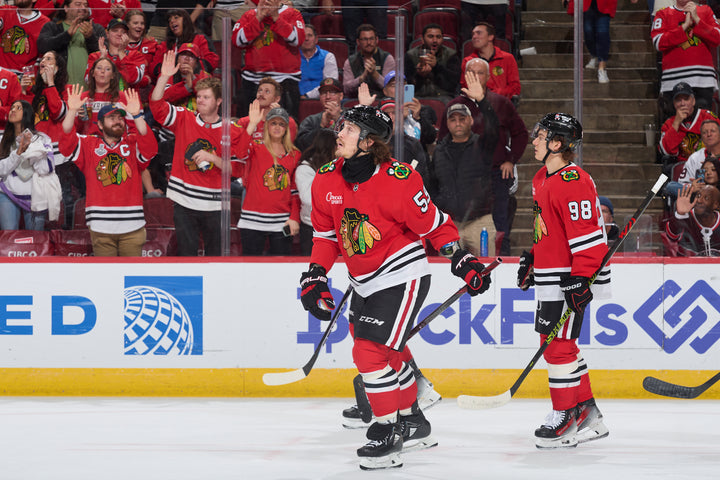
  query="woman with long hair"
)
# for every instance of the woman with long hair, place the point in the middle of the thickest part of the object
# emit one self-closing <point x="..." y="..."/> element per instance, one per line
<point x="139" y="40"/>
<point x="24" y="152"/>
<point x="181" y="30"/>
<point x="271" y="210"/>
<point x="320" y="152"/>
<point x="103" y="89"/>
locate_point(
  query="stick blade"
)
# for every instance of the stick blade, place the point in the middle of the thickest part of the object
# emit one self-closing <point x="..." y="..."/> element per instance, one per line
<point x="666" y="389"/>
<point x="283" y="378"/>
<point x="471" y="402"/>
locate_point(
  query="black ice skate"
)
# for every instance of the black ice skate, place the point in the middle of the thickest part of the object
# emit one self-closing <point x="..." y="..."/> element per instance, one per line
<point x="558" y="431"/>
<point x="384" y="447"/>
<point x="590" y="424"/>
<point x="415" y="431"/>
<point x="353" y="418"/>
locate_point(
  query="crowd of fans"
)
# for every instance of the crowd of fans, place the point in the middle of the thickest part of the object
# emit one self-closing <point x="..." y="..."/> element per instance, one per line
<point x="462" y="90"/>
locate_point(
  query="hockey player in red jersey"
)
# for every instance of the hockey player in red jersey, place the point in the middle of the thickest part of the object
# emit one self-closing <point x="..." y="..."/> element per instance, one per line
<point x="569" y="243"/>
<point x="375" y="211"/>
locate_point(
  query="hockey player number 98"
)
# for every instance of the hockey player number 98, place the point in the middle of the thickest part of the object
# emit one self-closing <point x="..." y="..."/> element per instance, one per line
<point x="582" y="210"/>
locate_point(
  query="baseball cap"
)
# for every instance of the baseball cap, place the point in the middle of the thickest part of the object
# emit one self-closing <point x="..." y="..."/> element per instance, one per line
<point x="108" y="109"/>
<point x="606" y="202"/>
<point x="278" y="112"/>
<point x="390" y="77"/>
<point x="330" y="84"/>
<point x="682" y="88"/>
<point x="189" y="47"/>
<point x="117" y="22"/>
<point x="459" y="108"/>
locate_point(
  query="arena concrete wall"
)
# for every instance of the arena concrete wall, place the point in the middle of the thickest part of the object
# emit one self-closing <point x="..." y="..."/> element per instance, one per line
<point x="213" y="327"/>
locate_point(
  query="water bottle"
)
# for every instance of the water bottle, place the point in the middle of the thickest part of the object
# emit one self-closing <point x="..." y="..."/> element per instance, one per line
<point x="484" y="242"/>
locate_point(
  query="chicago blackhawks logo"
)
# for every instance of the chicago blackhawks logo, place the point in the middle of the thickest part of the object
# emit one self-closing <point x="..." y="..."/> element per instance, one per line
<point x="570" y="175"/>
<point x="399" y="171"/>
<point x="276" y="177"/>
<point x="690" y="144"/>
<point x="42" y="113"/>
<point x="539" y="227"/>
<point x="113" y="170"/>
<point x="265" y="38"/>
<point x="15" y="41"/>
<point x="497" y="71"/>
<point x="327" y="168"/>
<point x="358" y="234"/>
<point x="204" y="145"/>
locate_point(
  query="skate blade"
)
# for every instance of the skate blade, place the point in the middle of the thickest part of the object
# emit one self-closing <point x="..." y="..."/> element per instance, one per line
<point x="430" y="400"/>
<point x="354" y="423"/>
<point x="547" y="444"/>
<point x="596" y="432"/>
<point x="420" y="444"/>
<point x="379" y="463"/>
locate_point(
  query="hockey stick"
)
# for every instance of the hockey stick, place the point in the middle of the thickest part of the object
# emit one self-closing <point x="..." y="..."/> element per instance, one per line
<point x="283" y="378"/>
<point x="476" y="402"/>
<point x="490" y="267"/>
<point x="661" y="387"/>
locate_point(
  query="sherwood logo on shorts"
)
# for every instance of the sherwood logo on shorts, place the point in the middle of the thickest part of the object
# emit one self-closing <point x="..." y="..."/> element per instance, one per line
<point x="163" y="315"/>
<point x="686" y="306"/>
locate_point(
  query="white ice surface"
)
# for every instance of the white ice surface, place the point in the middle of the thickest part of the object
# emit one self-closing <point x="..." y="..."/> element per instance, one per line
<point x="204" y="439"/>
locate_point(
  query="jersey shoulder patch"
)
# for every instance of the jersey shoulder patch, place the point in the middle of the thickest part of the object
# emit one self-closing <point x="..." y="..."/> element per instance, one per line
<point x="399" y="170"/>
<point x="328" y="167"/>
<point x="570" y="175"/>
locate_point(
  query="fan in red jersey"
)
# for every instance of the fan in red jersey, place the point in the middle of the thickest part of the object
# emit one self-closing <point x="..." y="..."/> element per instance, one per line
<point x="569" y="245"/>
<point x="375" y="211"/>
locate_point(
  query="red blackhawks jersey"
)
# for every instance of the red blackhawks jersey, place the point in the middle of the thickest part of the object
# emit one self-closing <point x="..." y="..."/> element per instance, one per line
<point x="272" y="196"/>
<point x="146" y="46"/>
<point x="687" y="56"/>
<point x="273" y="48"/>
<point x="377" y="225"/>
<point x="687" y="139"/>
<point x="569" y="232"/>
<point x="19" y="38"/>
<point x="192" y="188"/>
<point x="114" y="202"/>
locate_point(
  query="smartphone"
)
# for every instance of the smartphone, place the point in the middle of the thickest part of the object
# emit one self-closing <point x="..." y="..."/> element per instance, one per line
<point x="409" y="93"/>
<point x="700" y="174"/>
<point x="286" y="230"/>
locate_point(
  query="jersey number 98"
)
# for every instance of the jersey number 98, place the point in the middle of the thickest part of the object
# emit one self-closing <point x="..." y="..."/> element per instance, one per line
<point x="580" y="210"/>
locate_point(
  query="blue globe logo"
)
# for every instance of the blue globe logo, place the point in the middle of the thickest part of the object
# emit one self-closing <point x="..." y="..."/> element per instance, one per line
<point x="155" y="323"/>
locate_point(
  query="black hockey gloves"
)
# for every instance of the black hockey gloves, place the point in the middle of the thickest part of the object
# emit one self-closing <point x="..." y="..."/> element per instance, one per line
<point x="577" y="293"/>
<point x="525" y="277"/>
<point x="466" y="266"/>
<point x="315" y="294"/>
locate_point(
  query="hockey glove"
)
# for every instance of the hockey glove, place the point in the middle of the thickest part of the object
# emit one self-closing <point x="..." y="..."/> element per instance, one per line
<point x="466" y="266"/>
<point x="315" y="294"/>
<point x="577" y="293"/>
<point x="525" y="277"/>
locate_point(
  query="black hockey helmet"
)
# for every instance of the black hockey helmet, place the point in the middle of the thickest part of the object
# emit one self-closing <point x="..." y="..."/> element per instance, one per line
<point x="563" y="127"/>
<point x="370" y="120"/>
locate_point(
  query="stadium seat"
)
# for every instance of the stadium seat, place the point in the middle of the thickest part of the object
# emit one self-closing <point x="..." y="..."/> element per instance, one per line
<point x="391" y="16"/>
<point x="309" y="106"/>
<point x="336" y="46"/>
<point x="328" y="25"/>
<point x="423" y="4"/>
<point x="448" y="19"/>
<point x="388" y="45"/>
<point x="79" y="213"/>
<point x="25" y="243"/>
<point x="160" y="242"/>
<point x="447" y="41"/>
<point x="159" y="212"/>
<point x="71" y="243"/>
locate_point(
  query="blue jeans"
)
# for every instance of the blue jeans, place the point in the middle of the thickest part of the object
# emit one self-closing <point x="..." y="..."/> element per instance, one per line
<point x="596" y="26"/>
<point x="10" y="216"/>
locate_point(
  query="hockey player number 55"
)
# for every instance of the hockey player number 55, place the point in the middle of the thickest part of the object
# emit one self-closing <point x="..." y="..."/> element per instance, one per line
<point x="421" y="200"/>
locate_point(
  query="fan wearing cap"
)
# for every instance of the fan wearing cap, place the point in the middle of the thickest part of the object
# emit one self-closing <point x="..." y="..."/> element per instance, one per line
<point x="114" y="46"/>
<point x="375" y="212"/>
<point x="182" y="90"/>
<point x="316" y="65"/>
<point x="112" y="163"/>
<point x="459" y="180"/>
<point x="271" y="209"/>
<point x="680" y="135"/>
<point x="569" y="244"/>
<point x="20" y="26"/>
<point x="331" y="96"/>
<point x="195" y="183"/>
